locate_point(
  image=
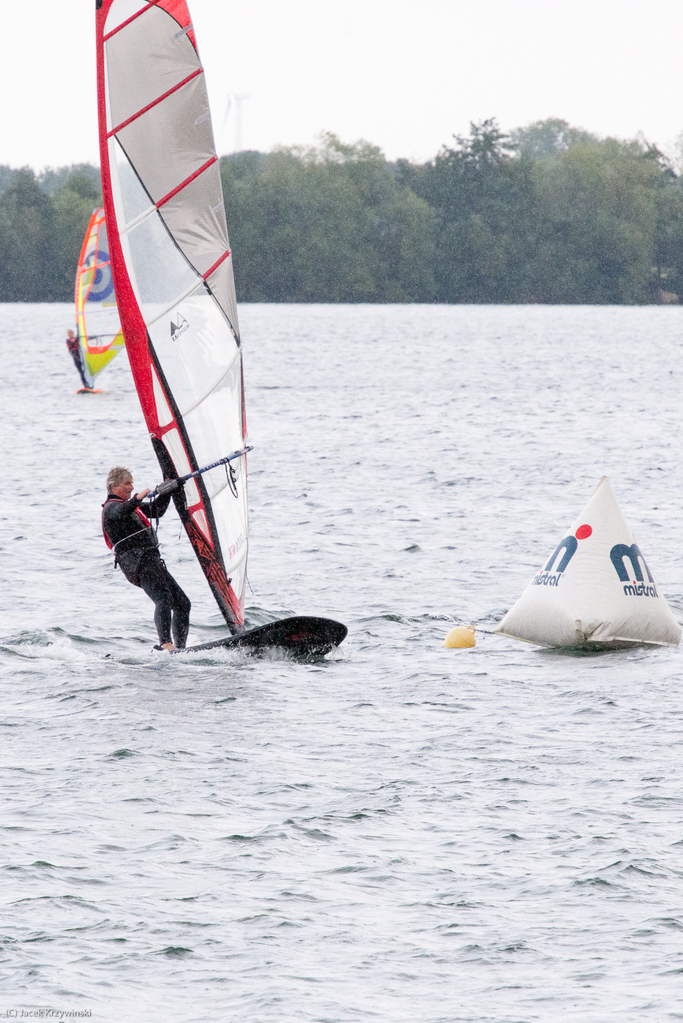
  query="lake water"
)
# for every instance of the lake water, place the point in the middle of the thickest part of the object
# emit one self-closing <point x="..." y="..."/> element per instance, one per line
<point x="399" y="832"/>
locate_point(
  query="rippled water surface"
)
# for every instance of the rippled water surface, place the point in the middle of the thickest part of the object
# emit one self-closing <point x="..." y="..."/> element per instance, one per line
<point x="396" y="833"/>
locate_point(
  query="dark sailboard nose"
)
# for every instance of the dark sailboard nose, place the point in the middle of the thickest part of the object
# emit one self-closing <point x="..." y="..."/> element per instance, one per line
<point x="300" y="636"/>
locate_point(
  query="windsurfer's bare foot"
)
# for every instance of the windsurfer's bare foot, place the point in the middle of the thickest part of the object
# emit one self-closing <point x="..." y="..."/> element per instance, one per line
<point x="168" y="646"/>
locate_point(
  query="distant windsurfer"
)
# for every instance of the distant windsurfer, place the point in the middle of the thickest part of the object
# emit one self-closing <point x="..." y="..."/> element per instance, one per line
<point x="128" y="532"/>
<point x="74" y="346"/>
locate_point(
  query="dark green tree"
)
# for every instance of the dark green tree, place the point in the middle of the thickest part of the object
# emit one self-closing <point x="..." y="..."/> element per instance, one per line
<point x="596" y="231"/>
<point x="26" y="242"/>
<point x="484" y="202"/>
<point x="7" y="175"/>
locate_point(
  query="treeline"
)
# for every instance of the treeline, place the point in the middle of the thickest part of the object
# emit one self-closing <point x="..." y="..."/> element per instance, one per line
<point x="547" y="214"/>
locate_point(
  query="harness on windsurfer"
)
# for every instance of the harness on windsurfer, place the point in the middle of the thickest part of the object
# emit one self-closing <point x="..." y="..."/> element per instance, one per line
<point x="129" y="533"/>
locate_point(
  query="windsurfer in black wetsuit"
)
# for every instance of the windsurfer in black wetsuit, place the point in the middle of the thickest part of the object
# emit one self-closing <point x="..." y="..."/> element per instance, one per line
<point x="74" y="346"/>
<point x="128" y="531"/>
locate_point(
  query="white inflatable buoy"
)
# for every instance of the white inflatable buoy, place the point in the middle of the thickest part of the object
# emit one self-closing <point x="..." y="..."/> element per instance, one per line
<point x="596" y="587"/>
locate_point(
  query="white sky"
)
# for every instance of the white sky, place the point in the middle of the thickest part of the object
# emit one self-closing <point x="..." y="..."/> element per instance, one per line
<point x="403" y="74"/>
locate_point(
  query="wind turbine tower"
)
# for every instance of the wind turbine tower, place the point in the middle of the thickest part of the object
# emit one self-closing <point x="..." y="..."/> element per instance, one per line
<point x="237" y="98"/>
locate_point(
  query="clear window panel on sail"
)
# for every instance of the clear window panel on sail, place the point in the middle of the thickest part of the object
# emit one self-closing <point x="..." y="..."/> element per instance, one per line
<point x="215" y="424"/>
<point x="130" y="198"/>
<point x="195" y="347"/>
<point x="159" y="272"/>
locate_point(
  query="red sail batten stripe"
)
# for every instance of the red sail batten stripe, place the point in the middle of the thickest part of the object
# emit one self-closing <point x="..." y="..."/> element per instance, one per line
<point x="150" y="4"/>
<point x="92" y="266"/>
<point x="187" y="181"/>
<point x="216" y="265"/>
<point x="92" y="350"/>
<point x="134" y="117"/>
<point x="160" y="431"/>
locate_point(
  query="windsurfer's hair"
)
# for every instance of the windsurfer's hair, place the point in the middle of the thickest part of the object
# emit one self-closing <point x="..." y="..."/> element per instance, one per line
<point x="118" y="475"/>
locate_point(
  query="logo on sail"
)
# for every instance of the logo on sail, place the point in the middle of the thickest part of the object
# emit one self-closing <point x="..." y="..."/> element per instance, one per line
<point x="237" y="546"/>
<point x="638" y="588"/>
<point x="178" y="327"/>
<point x="101" y="281"/>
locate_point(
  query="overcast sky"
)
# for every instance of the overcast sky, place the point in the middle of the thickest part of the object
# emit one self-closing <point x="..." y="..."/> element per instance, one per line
<point x="404" y="74"/>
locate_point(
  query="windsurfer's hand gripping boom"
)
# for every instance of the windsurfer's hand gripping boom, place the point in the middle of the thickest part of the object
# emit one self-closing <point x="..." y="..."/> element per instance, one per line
<point x="168" y="485"/>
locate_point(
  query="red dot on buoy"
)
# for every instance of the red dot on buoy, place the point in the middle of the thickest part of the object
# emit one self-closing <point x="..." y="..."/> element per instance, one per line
<point x="583" y="532"/>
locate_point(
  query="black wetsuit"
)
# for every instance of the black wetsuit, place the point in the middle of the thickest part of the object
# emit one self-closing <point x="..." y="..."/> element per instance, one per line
<point x="135" y="545"/>
<point x="74" y="346"/>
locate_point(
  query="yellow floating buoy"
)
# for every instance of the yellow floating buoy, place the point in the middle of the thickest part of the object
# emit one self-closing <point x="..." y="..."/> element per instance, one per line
<point x="460" y="636"/>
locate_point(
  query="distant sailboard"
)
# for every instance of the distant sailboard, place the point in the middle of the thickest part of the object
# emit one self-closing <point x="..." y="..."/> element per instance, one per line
<point x="97" y="319"/>
<point x="173" y="276"/>
<point x="595" y="588"/>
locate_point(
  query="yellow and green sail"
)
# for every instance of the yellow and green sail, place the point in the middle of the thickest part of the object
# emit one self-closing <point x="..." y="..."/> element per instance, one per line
<point x="97" y="318"/>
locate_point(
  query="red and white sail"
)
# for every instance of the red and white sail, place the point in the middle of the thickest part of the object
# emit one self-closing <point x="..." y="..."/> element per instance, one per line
<point x="172" y="270"/>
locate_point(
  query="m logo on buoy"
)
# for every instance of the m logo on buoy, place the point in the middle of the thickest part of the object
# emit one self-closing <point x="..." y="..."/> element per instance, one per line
<point x="621" y="551"/>
<point x="551" y="576"/>
<point x="568" y="545"/>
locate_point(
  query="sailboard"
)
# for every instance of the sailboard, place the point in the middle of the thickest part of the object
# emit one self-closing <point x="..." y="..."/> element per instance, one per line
<point x="595" y="589"/>
<point x="97" y="320"/>
<point x="173" y="276"/>
<point x="313" y="636"/>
